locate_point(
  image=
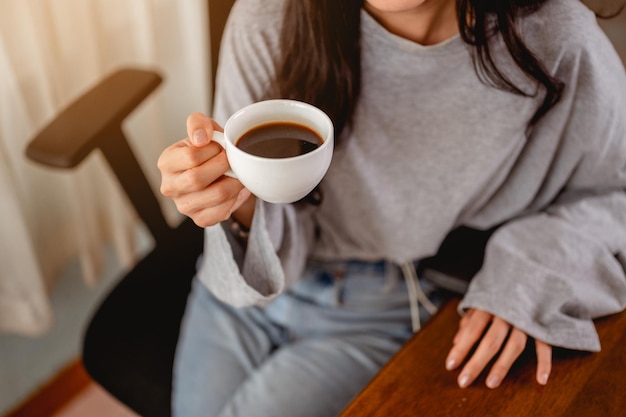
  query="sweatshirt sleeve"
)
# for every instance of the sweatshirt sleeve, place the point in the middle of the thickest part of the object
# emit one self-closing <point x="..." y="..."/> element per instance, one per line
<point x="280" y="234"/>
<point x="557" y="271"/>
<point x="275" y="256"/>
<point x="564" y="265"/>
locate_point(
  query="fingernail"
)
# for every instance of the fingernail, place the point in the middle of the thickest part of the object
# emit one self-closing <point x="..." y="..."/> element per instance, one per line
<point x="199" y="137"/>
<point x="493" y="382"/>
<point x="543" y="379"/>
<point x="450" y="364"/>
<point x="464" y="381"/>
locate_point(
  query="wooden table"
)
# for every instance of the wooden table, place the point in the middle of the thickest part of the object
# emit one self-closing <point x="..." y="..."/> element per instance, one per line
<point x="415" y="382"/>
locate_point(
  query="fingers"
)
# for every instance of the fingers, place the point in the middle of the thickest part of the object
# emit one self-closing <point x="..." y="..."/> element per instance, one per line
<point x="544" y="361"/>
<point x="213" y="204"/>
<point x="471" y="328"/>
<point x="181" y="156"/>
<point x="500" y="340"/>
<point x="200" y="129"/>
<point x="192" y="175"/>
<point x="193" y="163"/>
<point x="185" y="171"/>
<point x="512" y="350"/>
<point x="487" y="349"/>
<point x="218" y="192"/>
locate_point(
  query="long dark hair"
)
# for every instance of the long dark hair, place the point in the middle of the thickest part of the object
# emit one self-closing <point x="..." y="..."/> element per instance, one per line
<point x="320" y="52"/>
<point x="479" y="20"/>
<point x="320" y="56"/>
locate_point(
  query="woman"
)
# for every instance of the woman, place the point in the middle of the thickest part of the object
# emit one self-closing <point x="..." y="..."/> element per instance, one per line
<point x="470" y="113"/>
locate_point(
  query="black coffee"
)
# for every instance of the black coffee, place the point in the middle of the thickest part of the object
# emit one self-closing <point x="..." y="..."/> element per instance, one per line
<point x="279" y="140"/>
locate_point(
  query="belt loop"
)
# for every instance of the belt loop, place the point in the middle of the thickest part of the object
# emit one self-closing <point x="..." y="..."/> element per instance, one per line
<point x="391" y="277"/>
<point x="339" y="285"/>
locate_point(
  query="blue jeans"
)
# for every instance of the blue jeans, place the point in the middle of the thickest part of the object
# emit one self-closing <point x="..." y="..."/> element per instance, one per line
<point x="307" y="354"/>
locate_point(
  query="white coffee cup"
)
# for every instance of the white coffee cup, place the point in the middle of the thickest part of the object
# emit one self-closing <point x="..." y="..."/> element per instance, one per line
<point x="278" y="180"/>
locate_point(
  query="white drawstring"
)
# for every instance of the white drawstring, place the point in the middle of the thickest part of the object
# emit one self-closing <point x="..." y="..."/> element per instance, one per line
<point x="416" y="295"/>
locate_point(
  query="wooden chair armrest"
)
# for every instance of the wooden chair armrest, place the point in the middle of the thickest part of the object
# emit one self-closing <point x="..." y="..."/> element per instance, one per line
<point x="93" y="121"/>
<point x="82" y="126"/>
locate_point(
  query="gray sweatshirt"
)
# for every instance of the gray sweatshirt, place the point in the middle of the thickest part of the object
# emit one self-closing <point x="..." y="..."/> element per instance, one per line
<point x="433" y="148"/>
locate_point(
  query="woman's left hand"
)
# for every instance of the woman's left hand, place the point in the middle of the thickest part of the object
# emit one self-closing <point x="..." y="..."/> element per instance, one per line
<point x="500" y="337"/>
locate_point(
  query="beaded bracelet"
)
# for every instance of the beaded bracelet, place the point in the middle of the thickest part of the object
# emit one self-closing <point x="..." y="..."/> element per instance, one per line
<point x="239" y="231"/>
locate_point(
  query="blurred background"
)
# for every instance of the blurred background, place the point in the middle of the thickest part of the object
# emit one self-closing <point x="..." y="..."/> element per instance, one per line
<point x="66" y="236"/>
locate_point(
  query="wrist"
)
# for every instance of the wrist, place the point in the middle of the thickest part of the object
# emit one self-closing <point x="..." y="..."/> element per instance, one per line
<point x="243" y="215"/>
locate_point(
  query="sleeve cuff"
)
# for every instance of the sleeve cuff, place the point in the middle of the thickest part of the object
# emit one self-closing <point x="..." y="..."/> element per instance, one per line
<point x="532" y="297"/>
<point x="255" y="279"/>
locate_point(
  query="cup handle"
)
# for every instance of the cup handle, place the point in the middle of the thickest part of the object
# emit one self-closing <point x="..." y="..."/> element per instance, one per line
<point x="219" y="138"/>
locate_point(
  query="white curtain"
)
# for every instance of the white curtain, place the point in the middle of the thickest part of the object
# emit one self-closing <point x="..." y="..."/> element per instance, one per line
<point x="51" y="51"/>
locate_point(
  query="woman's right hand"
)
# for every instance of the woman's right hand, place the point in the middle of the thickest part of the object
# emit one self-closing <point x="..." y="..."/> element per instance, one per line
<point x="192" y="175"/>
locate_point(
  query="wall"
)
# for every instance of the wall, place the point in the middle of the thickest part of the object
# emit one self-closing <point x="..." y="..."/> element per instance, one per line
<point x="169" y="36"/>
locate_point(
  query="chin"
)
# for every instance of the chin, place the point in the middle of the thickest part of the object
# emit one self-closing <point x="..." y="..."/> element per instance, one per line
<point x="394" y="6"/>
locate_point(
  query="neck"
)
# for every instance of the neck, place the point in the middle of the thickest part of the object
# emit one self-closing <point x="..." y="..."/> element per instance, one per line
<point x="429" y="23"/>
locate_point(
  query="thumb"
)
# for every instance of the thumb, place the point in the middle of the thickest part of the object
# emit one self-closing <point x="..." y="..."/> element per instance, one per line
<point x="199" y="138"/>
<point x="200" y="129"/>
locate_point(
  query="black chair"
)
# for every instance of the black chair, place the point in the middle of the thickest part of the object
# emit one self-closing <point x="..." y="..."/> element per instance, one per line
<point x="130" y="341"/>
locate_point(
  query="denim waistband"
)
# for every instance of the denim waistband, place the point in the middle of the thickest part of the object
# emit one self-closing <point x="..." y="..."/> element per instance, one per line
<point x="355" y="265"/>
<point x="387" y="276"/>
